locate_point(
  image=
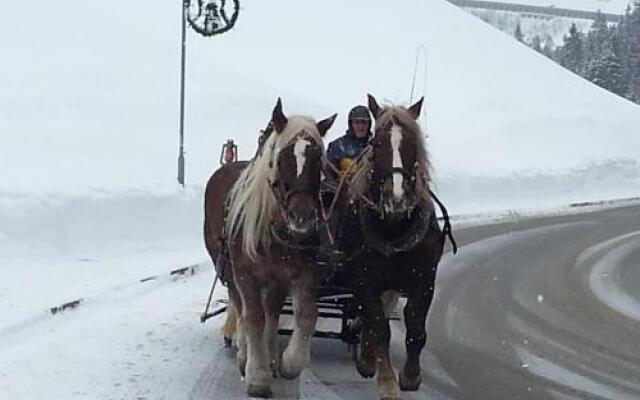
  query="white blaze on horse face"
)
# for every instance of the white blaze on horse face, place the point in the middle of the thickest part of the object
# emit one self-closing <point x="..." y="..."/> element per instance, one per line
<point x="396" y="139"/>
<point x="298" y="150"/>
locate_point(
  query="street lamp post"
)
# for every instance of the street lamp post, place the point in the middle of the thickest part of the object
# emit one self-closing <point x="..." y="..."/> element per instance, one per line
<point x="210" y="19"/>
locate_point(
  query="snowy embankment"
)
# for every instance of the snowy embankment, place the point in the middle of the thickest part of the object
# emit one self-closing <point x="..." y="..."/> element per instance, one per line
<point x="56" y="249"/>
<point x="90" y="124"/>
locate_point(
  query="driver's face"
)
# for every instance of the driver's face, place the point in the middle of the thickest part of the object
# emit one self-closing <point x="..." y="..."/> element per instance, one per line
<point x="360" y="127"/>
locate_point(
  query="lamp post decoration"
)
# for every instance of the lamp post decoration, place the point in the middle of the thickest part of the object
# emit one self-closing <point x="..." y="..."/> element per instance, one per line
<point x="211" y="18"/>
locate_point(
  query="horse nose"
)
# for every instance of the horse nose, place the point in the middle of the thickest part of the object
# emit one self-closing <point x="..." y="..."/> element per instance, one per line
<point x="302" y="224"/>
<point x="394" y="205"/>
<point x="304" y="220"/>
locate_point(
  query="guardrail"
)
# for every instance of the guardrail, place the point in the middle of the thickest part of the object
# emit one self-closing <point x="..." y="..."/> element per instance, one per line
<point x="530" y="9"/>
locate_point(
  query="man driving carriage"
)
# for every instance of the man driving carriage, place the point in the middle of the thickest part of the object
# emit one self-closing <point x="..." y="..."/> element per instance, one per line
<point x="341" y="155"/>
<point x="343" y="151"/>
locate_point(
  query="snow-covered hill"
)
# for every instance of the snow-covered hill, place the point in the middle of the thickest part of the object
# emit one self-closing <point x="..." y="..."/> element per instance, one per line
<point x="89" y="108"/>
<point x="91" y="90"/>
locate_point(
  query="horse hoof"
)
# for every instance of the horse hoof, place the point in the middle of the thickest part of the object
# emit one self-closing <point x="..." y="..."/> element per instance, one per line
<point x="260" y="391"/>
<point x="293" y="362"/>
<point x="242" y="367"/>
<point x="287" y="373"/>
<point x="409" y="384"/>
<point x="274" y="365"/>
<point x="227" y="342"/>
<point x="366" y="370"/>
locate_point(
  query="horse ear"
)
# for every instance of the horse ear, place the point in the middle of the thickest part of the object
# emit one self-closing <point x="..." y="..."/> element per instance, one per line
<point x="373" y="106"/>
<point x="415" y="109"/>
<point x="324" y="125"/>
<point x="278" y="118"/>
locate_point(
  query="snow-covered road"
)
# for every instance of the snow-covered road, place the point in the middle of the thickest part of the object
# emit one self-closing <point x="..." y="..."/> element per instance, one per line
<point x="542" y="308"/>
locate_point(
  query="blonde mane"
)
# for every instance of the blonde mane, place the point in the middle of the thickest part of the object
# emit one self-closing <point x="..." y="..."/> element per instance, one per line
<point x="252" y="202"/>
<point x="360" y="182"/>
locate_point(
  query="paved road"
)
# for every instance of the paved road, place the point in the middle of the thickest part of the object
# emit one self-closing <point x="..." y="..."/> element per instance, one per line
<point x="547" y="308"/>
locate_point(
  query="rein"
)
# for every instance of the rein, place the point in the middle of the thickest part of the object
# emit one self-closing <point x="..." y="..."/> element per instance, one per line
<point x="343" y="179"/>
<point x="446" y="229"/>
<point x="326" y="216"/>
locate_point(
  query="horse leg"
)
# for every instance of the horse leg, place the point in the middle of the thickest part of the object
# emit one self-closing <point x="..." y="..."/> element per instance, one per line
<point x="297" y="355"/>
<point x="229" y="328"/>
<point x="388" y="387"/>
<point x="258" y="373"/>
<point x="415" y="315"/>
<point x="390" y="300"/>
<point x="386" y="378"/>
<point x="274" y="300"/>
<point x="372" y="329"/>
<point x="241" y="340"/>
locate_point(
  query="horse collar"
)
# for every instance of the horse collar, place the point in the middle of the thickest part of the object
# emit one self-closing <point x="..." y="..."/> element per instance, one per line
<point x="416" y="231"/>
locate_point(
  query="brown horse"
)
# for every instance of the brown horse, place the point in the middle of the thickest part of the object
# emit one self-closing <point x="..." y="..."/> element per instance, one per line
<point x="258" y="217"/>
<point x="400" y="243"/>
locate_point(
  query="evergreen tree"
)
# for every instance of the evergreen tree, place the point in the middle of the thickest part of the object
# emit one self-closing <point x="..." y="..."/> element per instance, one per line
<point x="607" y="55"/>
<point x="633" y="61"/>
<point x="547" y="50"/>
<point x="597" y="42"/>
<point x="518" y="33"/>
<point x="620" y="48"/>
<point x="536" y="44"/>
<point x="571" y="55"/>
<point x="606" y="71"/>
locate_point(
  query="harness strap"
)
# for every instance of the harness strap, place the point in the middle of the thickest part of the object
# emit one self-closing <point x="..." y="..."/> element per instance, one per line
<point x="343" y="179"/>
<point x="224" y="252"/>
<point x="446" y="229"/>
<point x="281" y="202"/>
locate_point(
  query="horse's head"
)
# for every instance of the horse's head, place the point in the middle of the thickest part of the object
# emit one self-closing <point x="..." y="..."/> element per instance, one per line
<point x="398" y="170"/>
<point x="298" y="154"/>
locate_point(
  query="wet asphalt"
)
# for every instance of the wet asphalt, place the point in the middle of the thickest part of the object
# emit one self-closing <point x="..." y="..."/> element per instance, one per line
<point x="535" y="308"/>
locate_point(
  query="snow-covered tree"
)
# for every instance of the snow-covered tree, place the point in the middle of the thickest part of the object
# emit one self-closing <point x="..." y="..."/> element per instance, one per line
<point x="548" y="49"/>
<point x="571" y="54"/>
<point x="536" y="44"/>
<point x="633" y="60"/>
<point x="518" y="34"/>
<point x="606" y="71"/>
<point x="598" y="41"/>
